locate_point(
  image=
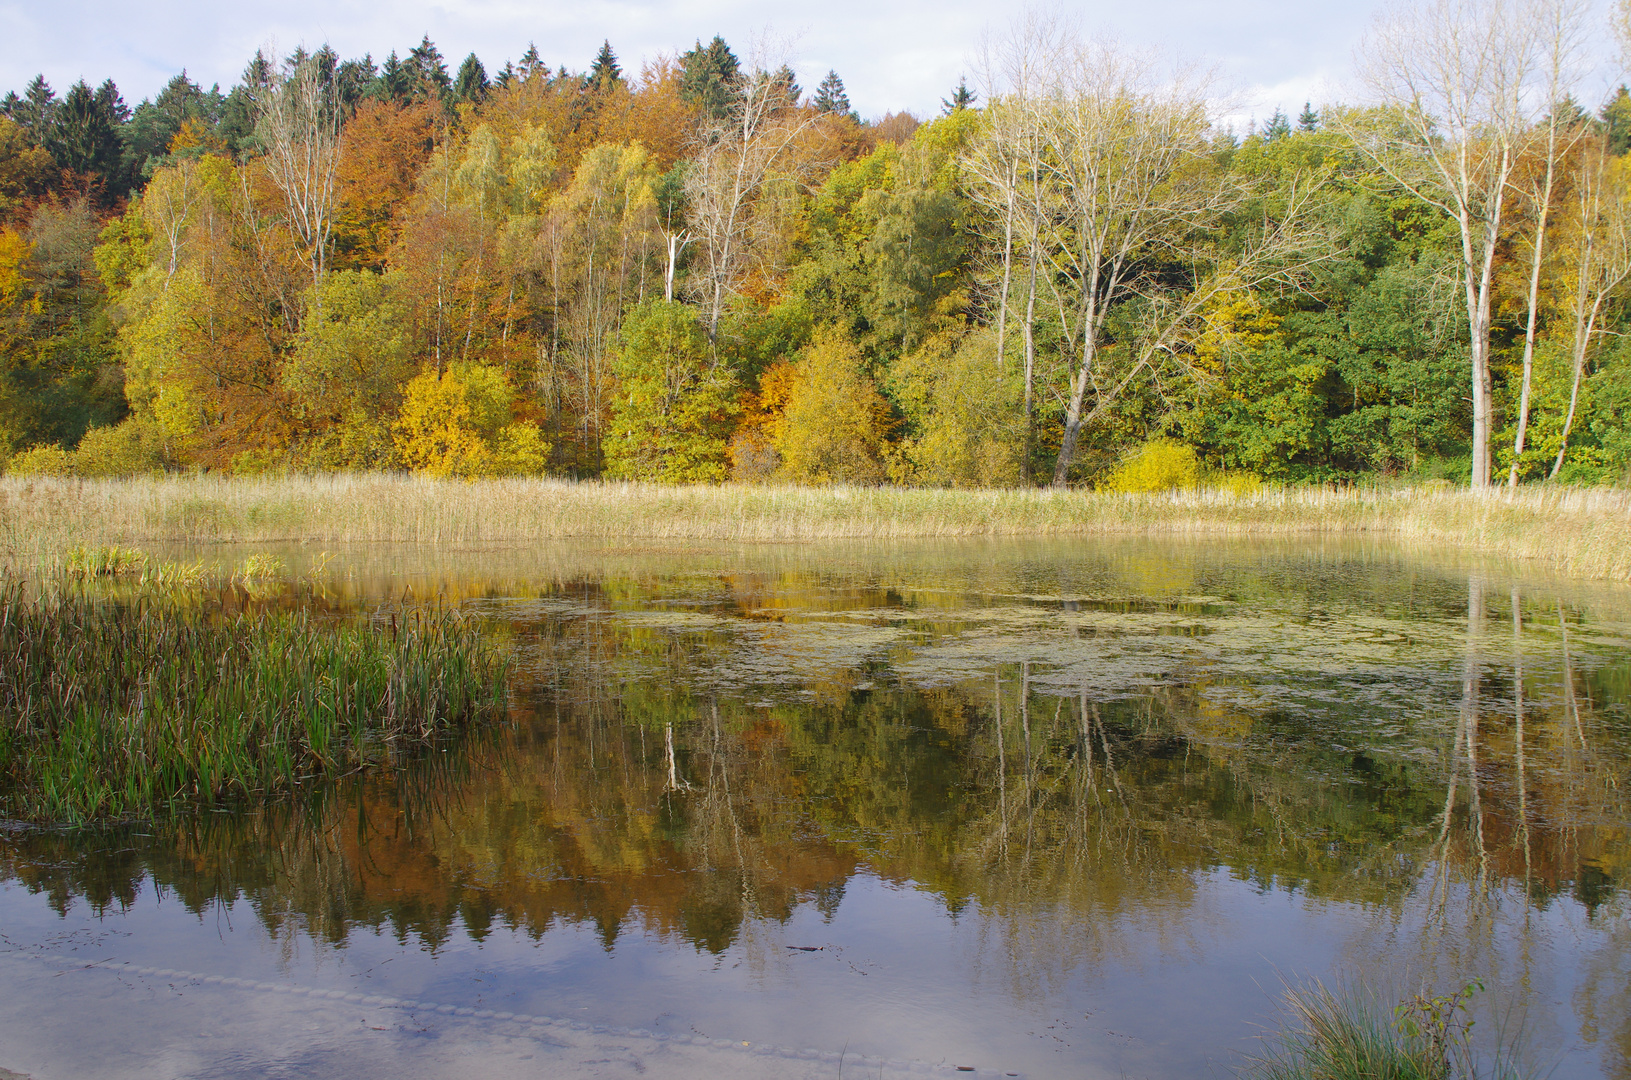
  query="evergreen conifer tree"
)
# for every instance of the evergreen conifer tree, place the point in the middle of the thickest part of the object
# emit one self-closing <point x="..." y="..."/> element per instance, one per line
<point x="708" y="76"/>
<point x="961" y="98"/>
<point x="506" y="76"/>
<point x="1308" y="119"/>
<point x="427" y="72"/>
<point x="471" y="84"/>
<point x="1616" y="117"/>
<point x="605" y="74"/>
<point x="830" y="95"/>
<point x="1278" y="126"/>
<point x="531" y="62"/>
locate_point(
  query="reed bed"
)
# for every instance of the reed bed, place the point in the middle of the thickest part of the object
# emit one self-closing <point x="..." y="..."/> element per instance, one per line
<point x="1584" y="532"/>
<point x="114" y="709"/>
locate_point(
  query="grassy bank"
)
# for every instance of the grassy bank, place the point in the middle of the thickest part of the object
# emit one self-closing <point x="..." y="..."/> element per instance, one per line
<point x="113" y="709"/>
<point x="1582" y="532"/>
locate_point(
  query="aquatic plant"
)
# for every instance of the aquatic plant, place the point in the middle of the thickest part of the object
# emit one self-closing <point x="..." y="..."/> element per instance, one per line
<point x="1350" y="1035"/>
<point x="109" y="709"/>
<point x="109" y="561"/>
<point x="1579" y="531"/>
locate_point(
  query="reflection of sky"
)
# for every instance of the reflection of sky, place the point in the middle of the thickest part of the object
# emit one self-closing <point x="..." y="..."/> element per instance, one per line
<point x="903" y="55"/>
<point x="1155" y="991"/>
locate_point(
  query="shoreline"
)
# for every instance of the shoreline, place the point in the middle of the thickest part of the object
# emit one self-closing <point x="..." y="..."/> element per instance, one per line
<point x="1583" y="533"/>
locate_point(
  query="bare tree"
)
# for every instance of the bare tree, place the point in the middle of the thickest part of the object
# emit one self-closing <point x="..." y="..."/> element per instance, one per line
<point x="1451" y="76"/>
<point x="1564" y="23"/>
<point x="1005" y="167"/>
<point x="298" y="121"/>
<point x="1599" y="255"/>
<point x="728" y="185"/>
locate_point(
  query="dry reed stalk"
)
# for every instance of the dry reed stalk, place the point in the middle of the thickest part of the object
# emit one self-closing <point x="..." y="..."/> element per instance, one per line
<point x="1586" y="533"/>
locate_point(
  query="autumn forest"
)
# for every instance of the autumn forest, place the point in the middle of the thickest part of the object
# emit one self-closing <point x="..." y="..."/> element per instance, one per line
<point x="1076" y="273"/>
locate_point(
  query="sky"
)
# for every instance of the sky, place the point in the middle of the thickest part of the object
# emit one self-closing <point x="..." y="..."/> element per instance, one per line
<point x="893" y="55"/>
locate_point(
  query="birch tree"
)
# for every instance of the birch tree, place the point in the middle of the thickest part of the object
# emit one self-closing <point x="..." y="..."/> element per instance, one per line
<point x="1599" y="257"/>
<point x="1451" y="76"/>
<point x="298" y="121"/>
<point x="1564" y="26"/>
<point x="728" y="183"/>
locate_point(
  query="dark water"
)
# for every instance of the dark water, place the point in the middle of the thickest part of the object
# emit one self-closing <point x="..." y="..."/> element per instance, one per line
<point x="1068" y="809"/>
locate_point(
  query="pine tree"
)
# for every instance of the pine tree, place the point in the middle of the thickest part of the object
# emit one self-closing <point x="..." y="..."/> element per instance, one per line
<point x="961" y="98"/>
<point x="708" y="77"/>
<point x="830" y="96"/>
<point x="471" y="84"/>
<point x="1308" y="119"/>
<point x="352" y="80"/>
<point x="604" y="74"/>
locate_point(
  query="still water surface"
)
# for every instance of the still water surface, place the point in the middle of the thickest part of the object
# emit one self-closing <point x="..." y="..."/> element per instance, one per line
<point x="1049" y="809"/>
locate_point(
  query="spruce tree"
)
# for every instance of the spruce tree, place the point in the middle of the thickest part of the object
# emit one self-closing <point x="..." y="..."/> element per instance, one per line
<point x="34" y="111"/>
<point x="1278" y="126"/>
<point x="1308" y="119"/>
<point x="831" y="97"/>
<point x="506" y="76"/>
<point x="427" y="73"/>
<point x="1616" y="117"/>
<point x="787" y="87"/>
<point x="961" y="98"/>
<point x="84" y="136"/>
<point x="471" y="84"/>
<point x="604" y="74"/>
<point x="531" y="62"/>
<point x="392" y="82"/>
<point x="708" y="77"/>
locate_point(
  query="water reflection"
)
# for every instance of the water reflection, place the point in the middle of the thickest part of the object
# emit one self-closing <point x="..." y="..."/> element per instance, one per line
<point x="1091" y="768"/>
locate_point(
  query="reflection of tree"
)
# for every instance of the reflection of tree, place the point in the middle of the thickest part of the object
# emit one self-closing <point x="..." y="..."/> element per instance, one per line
<point x="629" y="792"/>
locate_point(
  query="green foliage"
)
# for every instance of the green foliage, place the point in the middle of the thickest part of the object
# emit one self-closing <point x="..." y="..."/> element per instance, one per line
<point x="117" y="709"/>
<point x="675" y="403"/>
<point x="1346" y="1036"/>
<point x="962" y="409"/>
<point x="355" y="350"/>
<point x="133" y="447"/>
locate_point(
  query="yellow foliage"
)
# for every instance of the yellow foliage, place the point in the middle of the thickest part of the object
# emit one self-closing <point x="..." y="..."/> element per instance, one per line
<point x="14" y="252"/>
<point x="835" y="426"/>
<point x="42" y="461"/>
<point x="1166" y="465"/>
<point x="1159" y="465"/>
<point x="435" y="432"/>
<point x="1237" y="325"/>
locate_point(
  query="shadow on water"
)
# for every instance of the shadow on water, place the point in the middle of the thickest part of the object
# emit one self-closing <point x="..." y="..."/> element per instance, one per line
<point x="1089" y="762"/>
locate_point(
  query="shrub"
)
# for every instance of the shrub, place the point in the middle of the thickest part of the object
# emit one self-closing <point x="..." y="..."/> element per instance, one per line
<point x="43" y="461"/>
<point x="1159" y="465"/>
<point x="129" y="448"/>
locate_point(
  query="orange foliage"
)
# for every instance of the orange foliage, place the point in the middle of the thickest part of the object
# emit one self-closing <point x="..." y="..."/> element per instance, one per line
<point x="384" y="151"/>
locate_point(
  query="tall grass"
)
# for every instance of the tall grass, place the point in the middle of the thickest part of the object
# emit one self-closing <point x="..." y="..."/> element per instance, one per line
<point x="113" y="709"/>
<point x="1578" y="531"/>
<point x="1351" y="1036"/>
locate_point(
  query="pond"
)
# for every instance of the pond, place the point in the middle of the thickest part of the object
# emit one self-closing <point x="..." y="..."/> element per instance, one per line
<point x="1070" y="808"/>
